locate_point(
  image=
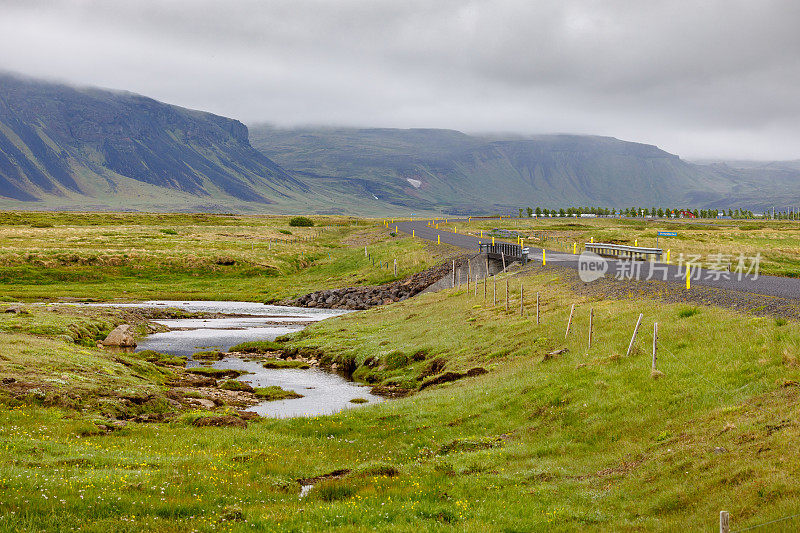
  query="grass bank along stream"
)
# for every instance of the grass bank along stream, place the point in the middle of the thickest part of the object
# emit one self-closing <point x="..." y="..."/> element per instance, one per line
<point x="582" y="439"/>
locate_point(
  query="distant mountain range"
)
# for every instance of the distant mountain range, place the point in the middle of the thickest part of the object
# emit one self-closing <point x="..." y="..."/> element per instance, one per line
<point x="76" y="148"/>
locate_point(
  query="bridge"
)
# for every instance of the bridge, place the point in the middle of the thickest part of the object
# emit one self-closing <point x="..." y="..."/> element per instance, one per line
<point x="503" y="251"/>
<point x="623" y="252"/>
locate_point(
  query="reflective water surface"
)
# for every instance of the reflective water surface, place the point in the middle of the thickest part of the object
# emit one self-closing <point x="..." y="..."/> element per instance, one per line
<point x="323" y="392"/>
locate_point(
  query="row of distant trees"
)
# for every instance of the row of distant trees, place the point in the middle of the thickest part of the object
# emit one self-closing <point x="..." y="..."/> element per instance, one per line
<point x="634" y="212"/>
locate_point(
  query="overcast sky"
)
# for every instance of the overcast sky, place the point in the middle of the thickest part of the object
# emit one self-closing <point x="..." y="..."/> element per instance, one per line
<point x="701" y="78"/>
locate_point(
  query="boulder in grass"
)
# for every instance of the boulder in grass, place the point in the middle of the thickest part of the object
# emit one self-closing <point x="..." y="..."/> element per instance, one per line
<point x="121" y="337"/>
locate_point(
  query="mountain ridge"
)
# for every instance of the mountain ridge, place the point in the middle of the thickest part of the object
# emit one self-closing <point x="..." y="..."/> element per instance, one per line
<point x="52" y="135"/>
<point x="64" y="147"/>
<point x="492" y="172"/>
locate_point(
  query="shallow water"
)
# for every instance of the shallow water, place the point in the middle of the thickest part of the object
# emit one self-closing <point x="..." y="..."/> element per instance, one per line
<point x="323" y="392"/>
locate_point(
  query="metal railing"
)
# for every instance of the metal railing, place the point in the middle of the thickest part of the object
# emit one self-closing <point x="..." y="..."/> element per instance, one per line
<point x="511" y="252"/>
<point x="623" y="252"/>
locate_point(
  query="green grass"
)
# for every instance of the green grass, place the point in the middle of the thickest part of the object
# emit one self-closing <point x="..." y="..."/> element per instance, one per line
<point x="282" y="363"/>
<point x="132" y="256"/>
<point x="215" y="372"/>
<point x="586" y="439"/>
<point x="233" y="384"/>
<point x="209" y="355"/>
<point x="257" y="347"/>
<point x="275" y="393"/>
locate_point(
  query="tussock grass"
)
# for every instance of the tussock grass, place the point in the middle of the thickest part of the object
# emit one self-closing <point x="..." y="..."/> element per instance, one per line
<point x="275" y="393"/>
<point x="257" y="347"/>
<point x="281" y="363"/>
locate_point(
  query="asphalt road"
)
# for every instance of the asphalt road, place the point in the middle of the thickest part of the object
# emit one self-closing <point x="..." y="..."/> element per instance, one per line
<point x="643" y="270"/>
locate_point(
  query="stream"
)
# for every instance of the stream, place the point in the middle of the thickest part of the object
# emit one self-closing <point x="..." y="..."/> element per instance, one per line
<point x="323" y="392"/>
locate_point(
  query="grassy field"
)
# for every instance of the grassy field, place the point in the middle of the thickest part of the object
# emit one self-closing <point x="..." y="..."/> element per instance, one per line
<point x="204" y="257"/>
<point x="777" y="242"/>
<point x="580" y="439"/>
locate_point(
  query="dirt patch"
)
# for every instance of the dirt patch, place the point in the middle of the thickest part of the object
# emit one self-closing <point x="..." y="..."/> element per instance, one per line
<point x="331" y="475"/>
<point x="220" y="421"/>
<point x="452" y="376"/>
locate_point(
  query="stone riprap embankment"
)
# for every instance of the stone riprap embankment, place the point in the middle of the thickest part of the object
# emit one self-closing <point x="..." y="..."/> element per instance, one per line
<point x="356" y="298"/>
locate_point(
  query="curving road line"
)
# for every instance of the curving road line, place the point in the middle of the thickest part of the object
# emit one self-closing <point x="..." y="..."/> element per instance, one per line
<point x="763" y="285"/>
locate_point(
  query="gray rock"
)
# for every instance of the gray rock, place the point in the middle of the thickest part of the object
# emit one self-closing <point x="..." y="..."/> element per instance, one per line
<point x="121" y="336"/>
<point x="204" y="403"/>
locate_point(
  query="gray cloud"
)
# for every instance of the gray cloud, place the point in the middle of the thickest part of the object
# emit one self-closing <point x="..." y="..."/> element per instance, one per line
<point x="703" y="79"/>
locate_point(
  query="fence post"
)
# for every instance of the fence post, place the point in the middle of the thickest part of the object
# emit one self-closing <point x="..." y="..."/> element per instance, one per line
<point x="655" y="343"/>
<point x="521" y="299"/>
<point x="503" y="257"/>
<point x="537" y="308"/>
<point x="569" y="322"/>
<point x="365" y="251"/>
<point x="633" y="337"/>
<point x="591" y="317"/>
<point x="494" y="291"/>
<point x="485" y="281"/>
<point x="724" y="522"/>
<point x="476" y="285"/>
<point x="454" y="273"/>
<point x="469" y="273"/>
<point x="507" y="294"/>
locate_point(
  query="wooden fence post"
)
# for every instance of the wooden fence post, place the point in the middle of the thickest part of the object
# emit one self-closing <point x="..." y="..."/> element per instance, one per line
<point x="591" y="317"/>
<point x="521" y="299"/>
<point x="476" y="285"/>
<point x="655" y="343"/>
<point x="503" y="257"/>
<point x="494" y="291"/>
<point x="633" y="337"/>
<point x="454" y="273"/>
<point x="724" y="522"/>
<point x="469" y="272"/>
<point x="395" y="267"/>
<point x="537" y="308"/>
<point x="507" y="295"/>
<point x="569" y="322"/>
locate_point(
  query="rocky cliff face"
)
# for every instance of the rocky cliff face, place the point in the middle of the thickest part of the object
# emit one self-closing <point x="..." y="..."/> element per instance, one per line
<point x="57" y="140"/>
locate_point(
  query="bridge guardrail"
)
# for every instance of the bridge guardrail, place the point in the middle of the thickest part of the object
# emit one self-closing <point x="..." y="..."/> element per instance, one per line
<point x="623" y="251"/>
